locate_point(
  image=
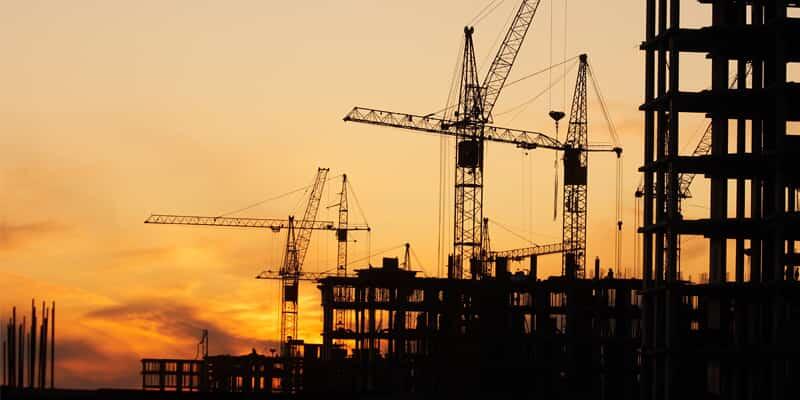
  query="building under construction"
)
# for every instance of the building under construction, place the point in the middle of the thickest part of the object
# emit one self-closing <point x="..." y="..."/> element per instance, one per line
<point x="386" y="330"/>
<point x="399" y="333"/>
<point x="734" y="337"/>
<point x="513" y="333"/>
<point x="484" y="330"/>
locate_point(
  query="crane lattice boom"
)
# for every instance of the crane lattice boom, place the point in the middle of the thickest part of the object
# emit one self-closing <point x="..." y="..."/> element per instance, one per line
<point x="265" y="223"/>
<point x="538" y="250"/>
<point x="262" y="223"/>
<point x="506" y="55"/>
<point x="306" y="225"/>
<point x="303" y="276"/>
<point x="430" y="124"/>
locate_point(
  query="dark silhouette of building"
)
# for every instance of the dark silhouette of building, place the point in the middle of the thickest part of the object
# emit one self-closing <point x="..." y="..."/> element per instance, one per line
<point x="734" y="337"/>
<point x="511" y="333"/>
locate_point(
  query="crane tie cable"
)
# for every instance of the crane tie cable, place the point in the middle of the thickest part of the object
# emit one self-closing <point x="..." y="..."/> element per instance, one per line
<point x="382" y="251"/>
<point x="272" y="199"/>
<point x="612" y="128"/>
<point x="509" y="230"/>
<point x="521" y="107"/>
<point x="358" y="204"/>
<point x="549" y="68"/>
<point x="525" y="77"/>
<point x="483" y="13"/>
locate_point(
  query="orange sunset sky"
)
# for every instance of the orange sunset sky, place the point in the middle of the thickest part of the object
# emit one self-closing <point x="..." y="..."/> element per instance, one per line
<point x="112" y="110"/>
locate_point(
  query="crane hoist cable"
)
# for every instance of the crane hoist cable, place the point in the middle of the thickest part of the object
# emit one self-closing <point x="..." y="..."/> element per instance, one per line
<point x="636" y="239"/>
<point x="564" y="54"/>
<point x="555" y="186"/>
<point x="618" y="216"/>
<point x="550" y="74"/>
<point x="444" y="144"/>
<point x="525" y="183"/>
<point x="452" y="90"/>
<point x="452" y="93"/>
<point x="612" y="130"/>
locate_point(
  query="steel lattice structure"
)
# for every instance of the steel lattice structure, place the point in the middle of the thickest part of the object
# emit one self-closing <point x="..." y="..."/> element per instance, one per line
<point x="430" y="124"/>
<point x="538" y="250"/>
<point x="297" y="241"/>
<point x="266" y="223"/>
<point x="341" y="251"/>
<point x="506" y="55"/>
<point x="575" y="180"/>
<point x="476" y="102"/>
<point x="467" y="232"/>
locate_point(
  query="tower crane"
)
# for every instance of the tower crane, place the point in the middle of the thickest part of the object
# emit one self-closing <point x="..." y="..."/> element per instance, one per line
<point x="470" y="129"/>
<point x="342" y="230"/>
<point x="576" y="163"/>
<point x="297" y="242"/>
<point x="475" y="104"/>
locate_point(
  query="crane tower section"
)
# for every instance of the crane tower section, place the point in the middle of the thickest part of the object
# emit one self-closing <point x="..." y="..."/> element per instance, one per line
<point x="469" y="169"/>
<point x="476" y="102"/>
<point x="297" y="241"/>
<point x="575" y="180"/>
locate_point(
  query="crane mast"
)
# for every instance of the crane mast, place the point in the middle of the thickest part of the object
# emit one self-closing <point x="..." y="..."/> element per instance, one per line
<point x="341" y="231"/>
<point x="467" y="233"/>
<point x="575" y="180"/>
<point x="297" y="241"/>
<point x="341" y="250"/>
<point x="476" y="102"/>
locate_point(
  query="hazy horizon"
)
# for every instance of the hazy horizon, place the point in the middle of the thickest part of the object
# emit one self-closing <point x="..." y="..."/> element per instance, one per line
<point x="114" y="110"/>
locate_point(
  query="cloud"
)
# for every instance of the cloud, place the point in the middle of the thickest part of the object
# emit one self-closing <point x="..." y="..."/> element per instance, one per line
<point x="143" y="254"/>
<point x="17" y="236"/>
<point x="117" y="337"/>
<point x="694" y="248"/>
<point x="82" y="364"/>
<point x="176" y="322"/>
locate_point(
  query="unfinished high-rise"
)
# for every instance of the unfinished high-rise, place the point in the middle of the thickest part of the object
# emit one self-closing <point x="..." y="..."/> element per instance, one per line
<point x="736" y="335"/>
